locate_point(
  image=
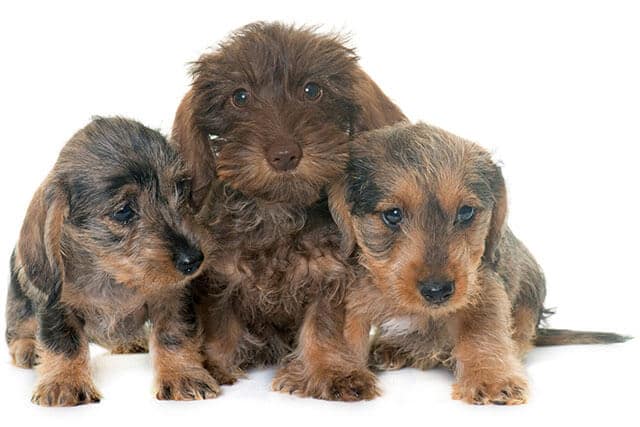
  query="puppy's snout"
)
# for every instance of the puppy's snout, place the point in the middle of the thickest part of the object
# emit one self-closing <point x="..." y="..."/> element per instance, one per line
<point x="436" y="292"/>
<point x="188" y="260"/>
<point x="284" y="157"/>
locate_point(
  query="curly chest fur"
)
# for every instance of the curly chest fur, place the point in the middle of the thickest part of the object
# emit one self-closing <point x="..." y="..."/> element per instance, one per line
<point x="275" y="261"/>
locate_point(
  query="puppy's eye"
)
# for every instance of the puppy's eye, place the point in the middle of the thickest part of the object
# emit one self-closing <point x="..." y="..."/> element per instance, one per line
<point x="240" y="98"/>
<point x="465" y="215"/>
<point x="125" y="214"/>
<point x="392" y="217"/>
<point x="312" y="91"/>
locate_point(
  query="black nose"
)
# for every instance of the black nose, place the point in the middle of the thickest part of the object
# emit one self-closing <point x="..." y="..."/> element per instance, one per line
<point x="188" y="260"/>
<point x="436" y="292"/>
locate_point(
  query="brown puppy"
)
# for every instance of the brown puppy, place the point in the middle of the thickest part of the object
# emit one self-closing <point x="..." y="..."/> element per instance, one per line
<point x="106" y="246"/>
<point x="265" y="129"/>
<point x="444" y="279"/>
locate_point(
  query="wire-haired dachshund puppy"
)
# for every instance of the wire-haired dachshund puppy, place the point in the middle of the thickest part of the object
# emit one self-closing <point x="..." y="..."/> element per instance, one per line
<point x="444" y="279"/>
<point x="265" y="128"/>
<point x="106" y="246"/>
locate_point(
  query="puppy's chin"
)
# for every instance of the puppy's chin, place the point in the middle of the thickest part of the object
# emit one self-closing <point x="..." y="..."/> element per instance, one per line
<point x="280" y="189"/>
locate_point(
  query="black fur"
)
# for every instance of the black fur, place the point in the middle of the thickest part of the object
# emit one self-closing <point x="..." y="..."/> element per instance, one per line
<point x="55" y="326"/>
<point x="361" y="192"/>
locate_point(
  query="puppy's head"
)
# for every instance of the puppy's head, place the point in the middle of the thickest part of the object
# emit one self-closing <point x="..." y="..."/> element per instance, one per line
<point x="426" y="210"/>
<point x="271" y="110"/>
<point x="120" y="192"/>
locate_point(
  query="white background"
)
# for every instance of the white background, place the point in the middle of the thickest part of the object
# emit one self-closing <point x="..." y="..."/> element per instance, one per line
<point x="552" y="88"/>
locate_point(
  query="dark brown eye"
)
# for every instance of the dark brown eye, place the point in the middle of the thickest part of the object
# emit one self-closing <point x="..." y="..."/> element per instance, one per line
<point x="124" y="215"/>
<point x="465" y="215"/>
<point x="392" y="217"/>
<point x="240" y="98"/>
<point x="312" y="91"/>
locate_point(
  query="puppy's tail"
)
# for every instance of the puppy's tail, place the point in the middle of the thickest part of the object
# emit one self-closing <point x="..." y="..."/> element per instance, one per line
<point x="545" y="337"/>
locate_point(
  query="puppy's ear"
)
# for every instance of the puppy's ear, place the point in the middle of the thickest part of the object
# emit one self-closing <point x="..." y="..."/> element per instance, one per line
<point x="194" y="146"/>
<point x="342" y="217"/>
<point x="40" y="246"/>
<point x="374" y="109"/>
<point x="498" y="215"/>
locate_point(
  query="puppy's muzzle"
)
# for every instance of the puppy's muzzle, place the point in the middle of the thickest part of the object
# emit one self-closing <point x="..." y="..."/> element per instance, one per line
<point x="188" y="260"/>
<point x="436" y="292"/>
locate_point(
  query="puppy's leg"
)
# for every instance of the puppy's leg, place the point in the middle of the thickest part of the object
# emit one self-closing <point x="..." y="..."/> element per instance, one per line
<point x="64" y="374"/>
<point x="223" y="331"/>
<point x="21" y="323"/>
<point x="488" y="369"/>
<point x="331" y="359"/>
<point x="176" y="344"/>
<point x="222" y="335"/>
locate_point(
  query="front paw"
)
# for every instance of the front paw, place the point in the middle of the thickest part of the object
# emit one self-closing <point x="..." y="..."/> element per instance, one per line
<point x="65" y="392"/>
<point x="196" y="384"/>
<point x="499" y="391"/>
<point x="223" y="376"/>
<point x="327" y="384"/>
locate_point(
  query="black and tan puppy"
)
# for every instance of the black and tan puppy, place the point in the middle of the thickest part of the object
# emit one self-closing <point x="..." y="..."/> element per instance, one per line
<point x="106" y="246"/>
<point x="444" y="279"/>
<point x="264" y="129"/>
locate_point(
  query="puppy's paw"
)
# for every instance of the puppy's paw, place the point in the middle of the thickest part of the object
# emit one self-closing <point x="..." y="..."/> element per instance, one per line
<point x="65" y="392"/>
<point x="356" y="385"/>
<point x="23" y="353"/>
<point x="388" y="358"/>
<point x="223" y="376"/>
<point x="326" y="384"/>
<point x="196" y="384"/>
<point x="500" y="391"/>
<point x="131" y="348"/>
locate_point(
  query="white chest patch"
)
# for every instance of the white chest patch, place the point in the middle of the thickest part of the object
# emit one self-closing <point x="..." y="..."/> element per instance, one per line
<point x="398" y="326"/>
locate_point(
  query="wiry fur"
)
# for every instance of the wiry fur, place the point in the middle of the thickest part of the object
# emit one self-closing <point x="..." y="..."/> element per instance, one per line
<point x="80" y="274"/>
<point x="492" y="318"/>
<point x="279" y="273"/>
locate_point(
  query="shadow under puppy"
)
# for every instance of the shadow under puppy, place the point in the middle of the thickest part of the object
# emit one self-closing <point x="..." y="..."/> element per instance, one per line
<point x="265" y="128"/>
<point x="444" y="279"/>
<point x="107" y="245"/>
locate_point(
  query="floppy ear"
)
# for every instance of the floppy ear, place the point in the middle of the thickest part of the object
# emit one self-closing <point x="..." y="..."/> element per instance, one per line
<point x="498" y="216"/>
<point x="195" y="148"/>
<point x="341" y="216"/>
<point x="40" y="246"/>
<point x="374" y="108"/>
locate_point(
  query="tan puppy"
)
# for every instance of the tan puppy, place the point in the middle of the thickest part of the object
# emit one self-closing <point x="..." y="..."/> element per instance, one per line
<point x="443" y="278"/>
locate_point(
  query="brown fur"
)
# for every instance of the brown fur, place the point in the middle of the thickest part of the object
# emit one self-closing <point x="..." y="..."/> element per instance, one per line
<point x="261" y="297"/>
<point x="98" y="256"/>
<point x="488" y="323"/>
<point x="65" y="381"/>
